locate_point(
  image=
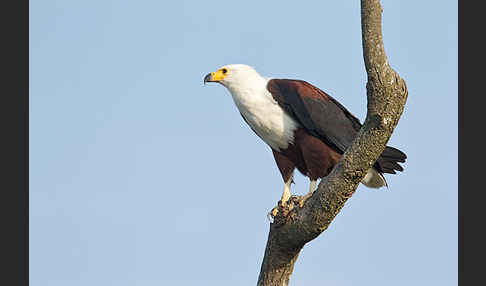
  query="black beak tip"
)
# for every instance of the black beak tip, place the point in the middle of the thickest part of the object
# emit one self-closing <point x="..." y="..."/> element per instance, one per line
<point x="207" y="78"/>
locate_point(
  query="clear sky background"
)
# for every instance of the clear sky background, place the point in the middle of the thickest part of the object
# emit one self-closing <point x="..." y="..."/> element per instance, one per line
<point x="141" y="175"/>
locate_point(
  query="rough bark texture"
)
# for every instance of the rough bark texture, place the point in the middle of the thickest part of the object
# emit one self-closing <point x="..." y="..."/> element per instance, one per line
<point x="387" y="93"/>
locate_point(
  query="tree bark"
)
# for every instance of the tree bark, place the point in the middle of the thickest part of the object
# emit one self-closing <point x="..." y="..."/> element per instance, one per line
<point x="387" y="93"/>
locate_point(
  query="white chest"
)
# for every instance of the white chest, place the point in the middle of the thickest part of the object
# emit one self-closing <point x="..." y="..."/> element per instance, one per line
<point x="265" y="117"/>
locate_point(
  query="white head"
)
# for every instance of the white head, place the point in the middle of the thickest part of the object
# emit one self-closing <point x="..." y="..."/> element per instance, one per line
<point x="234" y="76"/>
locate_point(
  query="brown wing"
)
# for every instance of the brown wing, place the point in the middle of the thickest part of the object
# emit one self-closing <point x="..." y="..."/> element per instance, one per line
<point x="320" y="114"/>
<point x="325" y="118"/>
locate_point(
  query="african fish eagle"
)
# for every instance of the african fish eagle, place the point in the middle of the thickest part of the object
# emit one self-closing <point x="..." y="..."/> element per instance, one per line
<point x="305" y="127"/>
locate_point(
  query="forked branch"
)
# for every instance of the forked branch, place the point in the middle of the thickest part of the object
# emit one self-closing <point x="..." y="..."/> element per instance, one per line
<point x="387" y="93"/>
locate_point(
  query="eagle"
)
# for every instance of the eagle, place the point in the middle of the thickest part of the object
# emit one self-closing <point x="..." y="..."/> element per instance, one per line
<point x="305" y="127"/>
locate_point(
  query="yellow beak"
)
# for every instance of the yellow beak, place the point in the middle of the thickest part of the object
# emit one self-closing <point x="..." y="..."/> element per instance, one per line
<point x="214" y="76"/>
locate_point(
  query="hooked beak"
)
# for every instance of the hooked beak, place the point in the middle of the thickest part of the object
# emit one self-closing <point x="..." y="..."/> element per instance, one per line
<point x="208" y="78"/>
<point x="217" y="76"/>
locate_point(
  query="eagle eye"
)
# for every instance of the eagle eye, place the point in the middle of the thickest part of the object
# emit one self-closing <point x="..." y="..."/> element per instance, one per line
<point x="224" y="71"/>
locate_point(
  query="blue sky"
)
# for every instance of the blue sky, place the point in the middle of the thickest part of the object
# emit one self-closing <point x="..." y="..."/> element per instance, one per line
<point x="141" y="175"/>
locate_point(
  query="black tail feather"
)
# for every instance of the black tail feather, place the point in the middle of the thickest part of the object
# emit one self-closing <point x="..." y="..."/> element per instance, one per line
<point x="394" y="153"/>
<point x="389" y="159"/>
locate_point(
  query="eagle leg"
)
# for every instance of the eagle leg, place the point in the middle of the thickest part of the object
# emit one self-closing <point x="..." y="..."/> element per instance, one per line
<point x="302" y="199"/>
<point x="286" y="192"/>
<point x="283" y="201"/>
<point x="312" y="189"/>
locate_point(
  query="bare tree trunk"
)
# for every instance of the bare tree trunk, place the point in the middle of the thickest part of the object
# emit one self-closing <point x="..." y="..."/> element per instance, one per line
<point x="387" y="93"/>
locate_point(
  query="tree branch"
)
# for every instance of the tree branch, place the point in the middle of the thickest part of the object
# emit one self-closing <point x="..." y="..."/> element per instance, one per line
<point x="387" y="93"/>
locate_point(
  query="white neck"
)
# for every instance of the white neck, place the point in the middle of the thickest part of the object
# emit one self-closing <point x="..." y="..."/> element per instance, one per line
<point x="262" y="112"/>
<point x="250" y="85"/>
